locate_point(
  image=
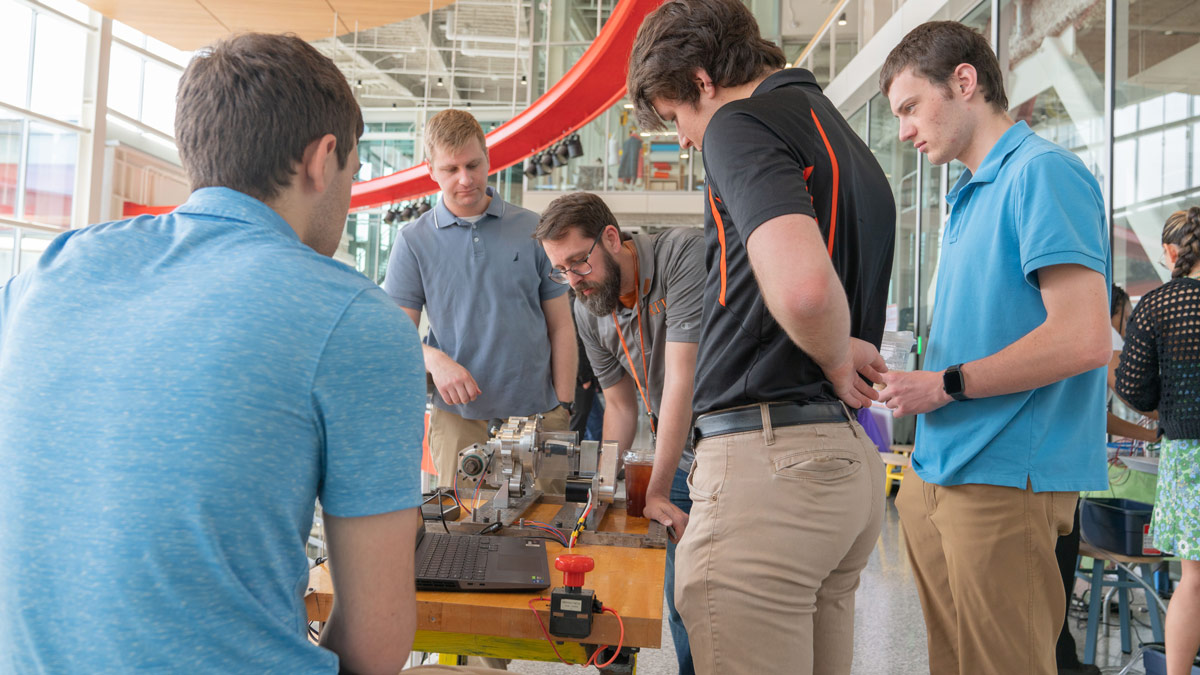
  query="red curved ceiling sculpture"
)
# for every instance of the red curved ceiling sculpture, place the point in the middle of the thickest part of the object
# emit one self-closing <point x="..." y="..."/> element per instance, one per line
<point x="591" y="86"/>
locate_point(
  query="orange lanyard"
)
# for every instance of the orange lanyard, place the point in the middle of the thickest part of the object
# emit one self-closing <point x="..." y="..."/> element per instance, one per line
<point x="628" y="357"/>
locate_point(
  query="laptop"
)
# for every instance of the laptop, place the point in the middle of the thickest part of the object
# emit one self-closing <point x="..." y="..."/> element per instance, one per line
<point x="471" y="562"/>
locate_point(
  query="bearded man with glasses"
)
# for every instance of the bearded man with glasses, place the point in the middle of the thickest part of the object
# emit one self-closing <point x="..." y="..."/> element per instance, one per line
<point x="638" y="313"/>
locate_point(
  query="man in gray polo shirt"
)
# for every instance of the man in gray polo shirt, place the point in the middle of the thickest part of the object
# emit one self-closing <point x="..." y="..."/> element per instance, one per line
<point x="637" y="308"/>
<point x="501" y="341"/>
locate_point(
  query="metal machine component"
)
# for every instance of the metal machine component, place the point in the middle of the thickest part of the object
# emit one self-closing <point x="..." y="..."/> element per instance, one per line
<point x="526" y="464"/>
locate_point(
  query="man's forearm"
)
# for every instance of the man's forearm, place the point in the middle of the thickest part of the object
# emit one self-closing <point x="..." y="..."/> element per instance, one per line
<point x="619" y="425"/>
<point x="432" y="356"/>
<point x="564" y="363"/>
<point x="674" y="426"/>
<point x="821" y="328"/>
<point x="675" y="416"/>
<point x="1045" y="355"/>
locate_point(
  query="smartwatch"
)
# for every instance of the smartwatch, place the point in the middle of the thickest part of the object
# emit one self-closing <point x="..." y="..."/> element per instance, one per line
<point x="954" y="384"/>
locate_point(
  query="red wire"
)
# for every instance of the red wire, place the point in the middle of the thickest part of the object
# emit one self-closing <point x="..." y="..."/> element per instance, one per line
<point x="592" y="660"/>
<point x="460" y="502"/>
<point x="544" y="631"/>
<point x="620" y="643"/>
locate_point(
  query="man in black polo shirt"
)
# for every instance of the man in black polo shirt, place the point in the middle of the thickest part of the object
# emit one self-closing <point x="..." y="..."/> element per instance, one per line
<point x="787" y="489"/>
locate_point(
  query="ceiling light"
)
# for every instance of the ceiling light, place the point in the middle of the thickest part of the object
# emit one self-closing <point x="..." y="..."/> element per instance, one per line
<point x="440" y="82"/>
<point x="683" y="155"/>
<point x="523" y="80"/>
<point x="629" y="106"/>
<point x="842" y="19"/>
<point x="358" y="84"/>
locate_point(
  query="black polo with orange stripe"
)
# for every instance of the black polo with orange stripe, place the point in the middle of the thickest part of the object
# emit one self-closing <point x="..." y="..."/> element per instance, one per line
<point x="785" y="150"/>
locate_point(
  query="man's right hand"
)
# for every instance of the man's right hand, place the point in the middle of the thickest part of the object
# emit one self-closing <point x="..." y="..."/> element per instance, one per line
<point x="661" y="509"/>
<point x="454" y="383"/>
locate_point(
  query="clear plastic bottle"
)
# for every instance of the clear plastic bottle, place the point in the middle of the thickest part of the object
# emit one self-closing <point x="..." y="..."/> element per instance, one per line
<point x="896" y="348"/>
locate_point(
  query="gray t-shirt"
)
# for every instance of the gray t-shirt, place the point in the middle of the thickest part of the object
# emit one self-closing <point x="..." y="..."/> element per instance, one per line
<point x="483" y="285"/>
<point x="671" y="267"/>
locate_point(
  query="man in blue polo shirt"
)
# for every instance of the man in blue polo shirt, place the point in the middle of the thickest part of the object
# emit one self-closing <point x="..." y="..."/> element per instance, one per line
<point x="1011" y="406"/>
<point x="501" y="340"/>
<point x="177" y="391"/>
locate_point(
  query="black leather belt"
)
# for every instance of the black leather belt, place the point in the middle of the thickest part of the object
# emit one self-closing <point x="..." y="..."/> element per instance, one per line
<point x="749" y="418"/>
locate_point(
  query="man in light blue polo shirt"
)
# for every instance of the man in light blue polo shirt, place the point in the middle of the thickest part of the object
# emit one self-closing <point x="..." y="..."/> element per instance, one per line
<point x="177" y="391"/>
<point x="1011" y="406"/>
<point x="501" y="340"/>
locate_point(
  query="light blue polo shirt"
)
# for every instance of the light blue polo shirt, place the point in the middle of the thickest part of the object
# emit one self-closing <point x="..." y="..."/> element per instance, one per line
<point x="175" y="393"/>
<point x="1032" y="204"/>
<point x="482" y="285"/>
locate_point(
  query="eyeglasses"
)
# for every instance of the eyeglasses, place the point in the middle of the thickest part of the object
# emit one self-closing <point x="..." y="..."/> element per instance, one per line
<point x="1162" y="260"/>
<point x="581" y="268"/>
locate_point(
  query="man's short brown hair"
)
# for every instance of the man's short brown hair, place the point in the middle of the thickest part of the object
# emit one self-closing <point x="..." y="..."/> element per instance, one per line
<point x="935" y="48"/>
<point x="580" y="210"/>
<point x="248" y="106"/>
<point x="452" y="130"/>
<point x="720" y="36"/>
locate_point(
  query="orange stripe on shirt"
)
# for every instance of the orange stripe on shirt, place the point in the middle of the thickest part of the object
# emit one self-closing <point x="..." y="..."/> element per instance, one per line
<point x="834" y="165"/>
<point x="720" y="240"/>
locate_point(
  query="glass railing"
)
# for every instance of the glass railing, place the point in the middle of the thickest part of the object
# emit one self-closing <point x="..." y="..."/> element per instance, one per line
<point x="614" y="154"/>
<point x="21" y="246"/>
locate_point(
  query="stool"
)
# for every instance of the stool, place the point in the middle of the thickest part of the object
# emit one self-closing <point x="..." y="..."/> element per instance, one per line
<point x="895" y="462"/>
<point x="1125" y="580"/>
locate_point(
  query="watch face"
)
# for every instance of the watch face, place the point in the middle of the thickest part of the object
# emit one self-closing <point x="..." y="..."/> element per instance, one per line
<point x="952" y="381"/>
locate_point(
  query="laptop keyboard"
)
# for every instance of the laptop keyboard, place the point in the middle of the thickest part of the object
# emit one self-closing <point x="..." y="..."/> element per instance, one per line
<point x="451" y="556"/>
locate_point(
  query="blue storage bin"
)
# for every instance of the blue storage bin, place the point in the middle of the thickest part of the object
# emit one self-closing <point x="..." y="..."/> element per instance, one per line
<point x="1155" y="661"/>
<point x="1114" y="524"/>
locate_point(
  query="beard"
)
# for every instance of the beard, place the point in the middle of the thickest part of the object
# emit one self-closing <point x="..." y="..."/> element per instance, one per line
<point x="604" y="295"/>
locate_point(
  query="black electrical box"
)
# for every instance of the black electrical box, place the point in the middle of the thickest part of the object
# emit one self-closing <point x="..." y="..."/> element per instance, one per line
<point x="571" y="611"/>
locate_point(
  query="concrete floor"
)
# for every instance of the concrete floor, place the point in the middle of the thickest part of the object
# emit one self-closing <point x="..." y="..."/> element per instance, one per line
<point x="889" y="628"/>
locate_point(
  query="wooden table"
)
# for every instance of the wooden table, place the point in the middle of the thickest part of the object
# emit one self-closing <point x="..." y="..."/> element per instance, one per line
<point x="500" y="625"/>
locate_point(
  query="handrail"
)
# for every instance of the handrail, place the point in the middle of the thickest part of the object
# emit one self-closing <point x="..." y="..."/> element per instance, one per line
<point x="30" y="225"/>
<point x="821" y="32"/>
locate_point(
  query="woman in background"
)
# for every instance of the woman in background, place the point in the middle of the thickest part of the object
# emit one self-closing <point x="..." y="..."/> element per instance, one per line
<point x="1160" y="370"/>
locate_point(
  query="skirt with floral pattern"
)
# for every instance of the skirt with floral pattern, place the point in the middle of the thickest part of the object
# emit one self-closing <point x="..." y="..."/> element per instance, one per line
<point x="1176" y="526"/>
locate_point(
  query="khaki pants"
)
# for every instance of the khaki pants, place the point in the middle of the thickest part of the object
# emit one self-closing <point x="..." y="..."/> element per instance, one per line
<point x="782" y="523"/>
<point x="983" y="557"/>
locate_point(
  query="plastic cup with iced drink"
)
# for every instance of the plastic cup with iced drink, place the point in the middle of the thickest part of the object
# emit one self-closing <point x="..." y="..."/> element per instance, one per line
<point x="638" y="467"/>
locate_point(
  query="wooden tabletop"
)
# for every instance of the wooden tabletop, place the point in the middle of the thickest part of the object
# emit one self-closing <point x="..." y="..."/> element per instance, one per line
<point x="629" y="580"/>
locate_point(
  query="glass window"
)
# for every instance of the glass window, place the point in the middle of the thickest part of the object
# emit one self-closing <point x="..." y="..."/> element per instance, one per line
<point x="980" y="18"/>
<point x="158" y="102"/>
<point x="128" y="34"/>
<point x="1054" y="78"/>
<point x="168" y="52"/>
<point x="932" y="203"/>
<point x="125" y="81"/>
<point x="858" y="122"/>
<point x="1156" y="148"/>
<point x="14" y="54"/>
<point x="33" y="244"/>
<point x="58" y="60"/>
<point x="6" y="253"/>
<point x="50" y="174"/>
<point x="71" y="8"/>
<point x="899" y="162"/>
<point x="10" y="160"/>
